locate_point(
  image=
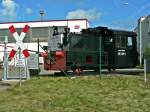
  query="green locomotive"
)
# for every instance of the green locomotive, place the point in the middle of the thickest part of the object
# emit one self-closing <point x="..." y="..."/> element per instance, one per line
<point x="94" y="47"/>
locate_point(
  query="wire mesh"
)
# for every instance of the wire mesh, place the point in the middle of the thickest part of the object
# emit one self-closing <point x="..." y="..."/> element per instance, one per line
<point x="15" y="72"/>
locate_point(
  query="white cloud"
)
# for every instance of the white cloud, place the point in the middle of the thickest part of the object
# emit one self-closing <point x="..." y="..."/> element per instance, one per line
<point x="8" y="10"/>
<point x="90" y="14"/>
<point x="29" y="11"/>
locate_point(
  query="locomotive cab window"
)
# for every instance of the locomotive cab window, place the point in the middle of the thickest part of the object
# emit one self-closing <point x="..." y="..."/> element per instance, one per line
<point x="130" y="43"/>
<point x="109" y="40"/>
<point x="120" y="42"/>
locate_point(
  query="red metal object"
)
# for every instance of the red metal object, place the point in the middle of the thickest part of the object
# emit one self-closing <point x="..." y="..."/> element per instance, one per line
<point x="26" y="29"/>
<point x="58" y="62"/>
<point x="89" y="60"/>
<point x="12" y="54"/>
<point x="78" y="71"/>
<point x="12" y="29"/>
<point x="59" y="54"/>
<point x="26" y="53"/>
<point x="44" y="54"/>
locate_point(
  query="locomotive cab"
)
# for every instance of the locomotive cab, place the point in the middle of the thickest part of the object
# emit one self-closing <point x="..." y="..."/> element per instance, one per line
<point x="104" y="47"/>
<point x="121" y="49"/>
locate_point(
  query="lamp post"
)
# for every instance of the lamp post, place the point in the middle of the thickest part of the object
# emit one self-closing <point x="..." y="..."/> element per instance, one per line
<point x="42" y="13"/>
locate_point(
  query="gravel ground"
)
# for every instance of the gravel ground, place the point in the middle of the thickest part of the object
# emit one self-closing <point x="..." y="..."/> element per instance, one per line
<point x="4" y="85"/>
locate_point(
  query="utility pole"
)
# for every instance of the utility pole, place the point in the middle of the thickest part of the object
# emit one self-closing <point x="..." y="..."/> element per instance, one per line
<point x="140" y="42"/>
<point x="42" y="13"/>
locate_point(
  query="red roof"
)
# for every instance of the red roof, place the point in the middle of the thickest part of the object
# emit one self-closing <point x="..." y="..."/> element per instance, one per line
<point x="46" y="21"/>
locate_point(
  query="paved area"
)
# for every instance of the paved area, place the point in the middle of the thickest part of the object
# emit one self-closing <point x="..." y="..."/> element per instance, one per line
<point x="126" y="71"/>
<point x="4" y="85"/>
<point x="133" y="71"/>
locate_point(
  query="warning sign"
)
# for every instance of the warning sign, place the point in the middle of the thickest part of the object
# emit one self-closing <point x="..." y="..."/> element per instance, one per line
<point x="20" y="63"/>
<point x="19" y="41"/>
<point x="33" y="61"/>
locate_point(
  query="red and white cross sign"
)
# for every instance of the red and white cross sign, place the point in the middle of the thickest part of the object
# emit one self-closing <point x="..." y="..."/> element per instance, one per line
<point x="19" y="43"/>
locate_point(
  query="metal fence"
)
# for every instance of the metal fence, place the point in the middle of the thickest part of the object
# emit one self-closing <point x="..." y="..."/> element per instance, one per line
<point x="15" y="71"/>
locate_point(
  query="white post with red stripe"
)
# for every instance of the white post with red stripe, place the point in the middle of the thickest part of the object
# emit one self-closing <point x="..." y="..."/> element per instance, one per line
<point x="19" y="43"/>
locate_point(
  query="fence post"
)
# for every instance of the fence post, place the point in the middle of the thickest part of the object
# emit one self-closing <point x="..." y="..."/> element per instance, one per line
<point x="5" y="59"/>
<point x="145" y="71"/>
<point x="100" y="60"/>
<point x="38" y="58"/>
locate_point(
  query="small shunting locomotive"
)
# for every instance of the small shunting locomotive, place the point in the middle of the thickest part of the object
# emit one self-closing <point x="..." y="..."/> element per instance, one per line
<point x="91" y="49"/>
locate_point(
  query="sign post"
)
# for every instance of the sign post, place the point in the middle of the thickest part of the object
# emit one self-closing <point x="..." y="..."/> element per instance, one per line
<point x="5" y="59"/>
<point x="33" y="61"/>
<point x="20" y="75"/>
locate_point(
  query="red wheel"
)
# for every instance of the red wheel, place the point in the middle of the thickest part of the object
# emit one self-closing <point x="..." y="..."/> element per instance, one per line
<point x="78" y="71"/>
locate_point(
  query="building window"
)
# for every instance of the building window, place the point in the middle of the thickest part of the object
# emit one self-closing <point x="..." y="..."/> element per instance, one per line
<point x="77" y="26"/>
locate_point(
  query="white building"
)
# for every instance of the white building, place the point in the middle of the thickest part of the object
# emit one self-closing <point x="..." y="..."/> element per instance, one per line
<point x="143" y="38"/>
<point x="41" y="30"/>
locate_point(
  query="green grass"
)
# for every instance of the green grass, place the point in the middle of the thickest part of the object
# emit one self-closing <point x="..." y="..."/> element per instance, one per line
<point x="84" y="94"/>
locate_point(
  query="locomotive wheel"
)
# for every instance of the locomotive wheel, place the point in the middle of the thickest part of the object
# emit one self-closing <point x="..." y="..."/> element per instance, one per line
<point x="77" y="71"/>
<point x="109" y="69"/>
<point x="114" y="69"/>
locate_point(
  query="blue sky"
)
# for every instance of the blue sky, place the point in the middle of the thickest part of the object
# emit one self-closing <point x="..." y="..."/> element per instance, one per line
<point x="112" y="13"/>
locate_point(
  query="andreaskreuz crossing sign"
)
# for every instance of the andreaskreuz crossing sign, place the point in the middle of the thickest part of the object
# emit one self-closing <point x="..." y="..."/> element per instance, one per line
<point x="19" y="43"/>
